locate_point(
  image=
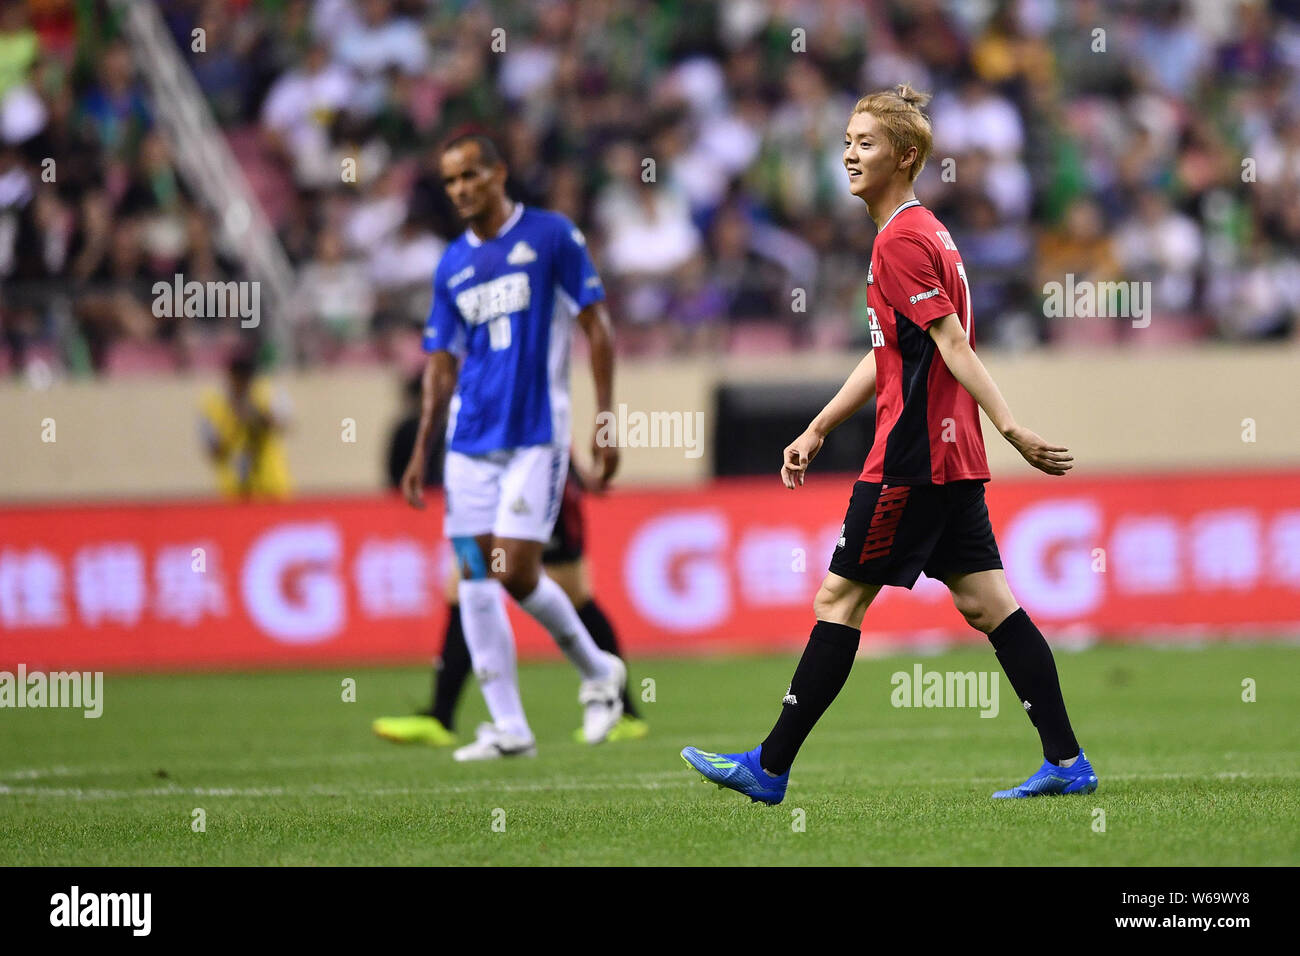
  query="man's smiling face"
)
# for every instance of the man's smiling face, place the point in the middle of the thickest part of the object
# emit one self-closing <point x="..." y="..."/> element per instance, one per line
<point x="869" y="156"/>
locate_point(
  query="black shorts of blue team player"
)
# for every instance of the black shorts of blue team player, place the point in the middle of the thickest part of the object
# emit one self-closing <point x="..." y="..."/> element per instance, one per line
<point x="894" y="532"/>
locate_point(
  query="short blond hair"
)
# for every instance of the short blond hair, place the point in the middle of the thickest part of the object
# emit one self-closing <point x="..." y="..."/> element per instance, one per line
<point x="899" y="111"/>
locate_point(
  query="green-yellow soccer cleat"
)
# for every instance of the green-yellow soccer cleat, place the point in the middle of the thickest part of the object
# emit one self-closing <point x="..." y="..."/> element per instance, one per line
<point x="416" y="729"/>
<point x="627" y="728"/>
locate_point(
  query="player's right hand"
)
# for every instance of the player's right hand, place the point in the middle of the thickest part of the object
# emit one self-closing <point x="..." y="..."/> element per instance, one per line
<point x="1052" y="459"/>
<point x="798" y="456"/>
<point x="413" y="485"/>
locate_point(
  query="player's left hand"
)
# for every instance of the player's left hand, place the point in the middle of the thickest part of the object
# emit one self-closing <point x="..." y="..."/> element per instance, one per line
<point x="1052" y="459"/>
<point x="413" y="484"/>
<point x="604" y="462"/>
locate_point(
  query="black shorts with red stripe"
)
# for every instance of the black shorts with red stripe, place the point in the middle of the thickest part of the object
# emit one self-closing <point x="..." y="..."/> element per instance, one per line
<point x="893" y="532"/>
<point x="568" y="536"/>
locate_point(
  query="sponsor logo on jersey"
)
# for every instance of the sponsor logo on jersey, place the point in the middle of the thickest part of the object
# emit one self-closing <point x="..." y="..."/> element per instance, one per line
<point x="578" y="237"/>
<point x="877" y="333"/>
<point x="504" y="295"/>
<point x="521" y="254"/>
<point x="461" y="276"/>
<point x="922" y="296"/>
<point x="520" y="506"/>
<point x="870" y="277"/>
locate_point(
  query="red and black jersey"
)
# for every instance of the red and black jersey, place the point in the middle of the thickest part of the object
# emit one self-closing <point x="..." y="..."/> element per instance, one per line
<point x="927" y="425"/>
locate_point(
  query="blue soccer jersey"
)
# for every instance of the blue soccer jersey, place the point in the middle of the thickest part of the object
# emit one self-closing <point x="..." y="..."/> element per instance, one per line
<point x="506" y="306"/>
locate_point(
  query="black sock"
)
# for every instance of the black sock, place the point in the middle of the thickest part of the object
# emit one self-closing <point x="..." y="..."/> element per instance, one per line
<point x="602" y="632"/>
<point x="822" y="671"/>
<point x="451" y="671"/>
<point x="1027" y="661"/>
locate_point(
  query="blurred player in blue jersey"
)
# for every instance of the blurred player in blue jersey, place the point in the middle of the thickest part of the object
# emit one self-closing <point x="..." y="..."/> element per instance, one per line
<point x="506" y="296"/>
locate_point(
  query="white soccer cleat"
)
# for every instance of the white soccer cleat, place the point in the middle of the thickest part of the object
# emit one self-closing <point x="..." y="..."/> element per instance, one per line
<point x="602" y="701"/>
<point x="492" y="743"/>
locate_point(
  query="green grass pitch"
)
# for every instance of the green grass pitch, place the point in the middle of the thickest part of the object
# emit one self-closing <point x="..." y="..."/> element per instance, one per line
<point x="288" y="773"/>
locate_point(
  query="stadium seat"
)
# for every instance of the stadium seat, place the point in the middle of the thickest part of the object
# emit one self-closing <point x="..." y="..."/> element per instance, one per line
<point x="270" y="182"/>
<point x="830" y="335"/>
<point x="44" y="352"/>
<point x="358" y="353"/>
<point x="139" y="358"/>
<point x="631" y="340"/>
<point x="1167" y="330"/>
<point x="212" y="350"/>
<point x="759" y="338"/>
<point x="1084" y="333"/>
<point x="408" y="351"/>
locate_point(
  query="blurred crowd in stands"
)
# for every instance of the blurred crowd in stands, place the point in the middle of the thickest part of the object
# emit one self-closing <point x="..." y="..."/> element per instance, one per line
<point x="697" y="144"/>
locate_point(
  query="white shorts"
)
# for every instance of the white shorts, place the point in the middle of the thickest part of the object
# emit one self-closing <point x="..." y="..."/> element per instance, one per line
<point x="514" y="493"/>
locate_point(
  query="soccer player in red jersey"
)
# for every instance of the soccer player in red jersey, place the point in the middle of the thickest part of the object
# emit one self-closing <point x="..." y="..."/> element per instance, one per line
<point x="918" y="505"/>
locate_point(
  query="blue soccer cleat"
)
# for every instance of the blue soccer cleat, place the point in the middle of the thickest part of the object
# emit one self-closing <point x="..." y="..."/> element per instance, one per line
<point x="739" y="772"/>
<point x="1050" y="781"/>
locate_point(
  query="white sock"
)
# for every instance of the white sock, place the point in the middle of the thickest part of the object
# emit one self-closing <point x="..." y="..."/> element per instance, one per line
<point x="551" y="608"/>
<point x="491" y="644"/>
<point x="1069" y="761"/>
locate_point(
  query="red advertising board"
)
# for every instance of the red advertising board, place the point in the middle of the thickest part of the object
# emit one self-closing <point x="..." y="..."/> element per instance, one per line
<point x="729" y="566"/>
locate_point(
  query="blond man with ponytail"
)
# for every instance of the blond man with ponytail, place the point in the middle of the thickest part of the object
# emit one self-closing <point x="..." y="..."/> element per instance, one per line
<point x="918" y="505"/>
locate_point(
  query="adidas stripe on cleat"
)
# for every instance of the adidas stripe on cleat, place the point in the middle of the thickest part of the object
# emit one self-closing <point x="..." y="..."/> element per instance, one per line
<point x="740" y="772"/>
